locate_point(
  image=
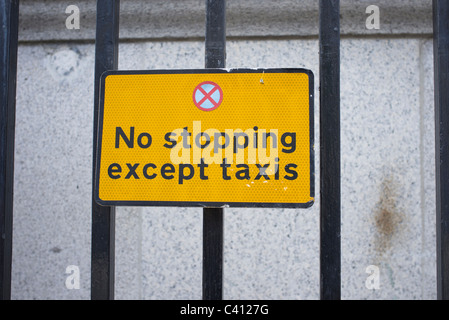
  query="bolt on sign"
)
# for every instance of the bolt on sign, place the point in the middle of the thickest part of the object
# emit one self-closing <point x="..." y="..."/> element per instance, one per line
<point x="206" y="138"/>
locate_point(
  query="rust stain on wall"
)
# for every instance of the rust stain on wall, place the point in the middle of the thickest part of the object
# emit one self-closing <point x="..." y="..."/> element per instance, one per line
<point x="388" y="219"/>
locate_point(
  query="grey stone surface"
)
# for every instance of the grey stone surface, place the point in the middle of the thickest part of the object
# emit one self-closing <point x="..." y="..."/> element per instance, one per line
<point x="427" y="154"/>
<point x="44" y="20"/>
<point x="387" y="182"/>
<point x="385" y="171"/>
<point x="52" y="170"/>
<point x="128" y="253"/>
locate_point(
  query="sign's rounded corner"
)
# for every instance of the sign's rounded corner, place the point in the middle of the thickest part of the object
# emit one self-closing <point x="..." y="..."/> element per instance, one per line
<point x="309" y="204"/>
<point x="309" y="73"/>
<point x="105" y="74"/>
<point x="100" y="201"/>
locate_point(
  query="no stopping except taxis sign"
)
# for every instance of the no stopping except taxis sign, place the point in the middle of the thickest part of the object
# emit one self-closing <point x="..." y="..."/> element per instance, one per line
<point x="208" y="138"/>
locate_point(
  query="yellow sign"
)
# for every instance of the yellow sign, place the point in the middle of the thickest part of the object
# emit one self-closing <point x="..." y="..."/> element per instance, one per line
<point x="208" y="138"/>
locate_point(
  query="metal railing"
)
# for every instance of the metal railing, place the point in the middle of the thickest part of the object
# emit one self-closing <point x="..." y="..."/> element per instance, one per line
<point x="103" y="218"/>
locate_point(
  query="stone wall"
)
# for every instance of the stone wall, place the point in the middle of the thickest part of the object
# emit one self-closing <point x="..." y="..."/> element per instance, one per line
<point x="388" y="174"/>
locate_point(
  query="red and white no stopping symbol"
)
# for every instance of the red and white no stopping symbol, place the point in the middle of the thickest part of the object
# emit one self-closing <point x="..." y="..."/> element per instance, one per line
<point x="207" y="96"/>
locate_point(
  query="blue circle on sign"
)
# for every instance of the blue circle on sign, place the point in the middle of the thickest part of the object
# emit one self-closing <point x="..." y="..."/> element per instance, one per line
<point x="207" y="96"/>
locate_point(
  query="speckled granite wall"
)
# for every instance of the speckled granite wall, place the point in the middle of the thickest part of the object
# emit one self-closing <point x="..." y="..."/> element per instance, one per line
<point x="388" y="206"/>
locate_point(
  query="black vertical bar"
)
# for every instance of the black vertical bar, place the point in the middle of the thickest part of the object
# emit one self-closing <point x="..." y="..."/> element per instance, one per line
<point x="9" y="22"/>
<point x="212" y="254"/>
<point x="215" y="34"/>
<point x="330" y="248"/>
<point x="103" y="218"/>
<point x="213" y="217"/>
<point x="441" y="71"/>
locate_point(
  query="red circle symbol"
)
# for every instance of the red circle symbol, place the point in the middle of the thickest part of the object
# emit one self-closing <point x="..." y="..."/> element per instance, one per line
<point x="207" y="96"/>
